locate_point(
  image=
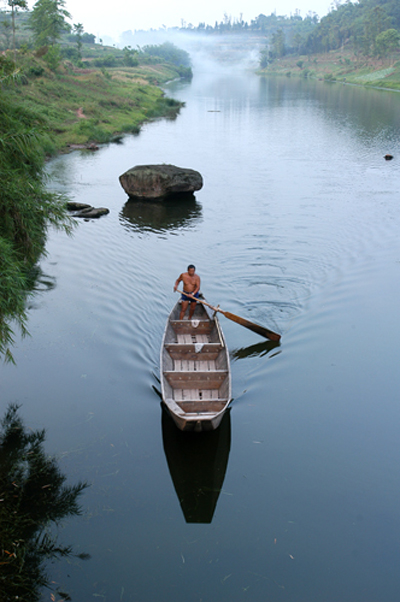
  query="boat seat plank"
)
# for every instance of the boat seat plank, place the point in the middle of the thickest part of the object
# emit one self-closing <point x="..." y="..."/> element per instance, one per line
<point x="209" y="351"/>
<point x="185" y="339"/>
<point x="195" y="395"/>
<point x="187" y="326"/>
<point x="210" y="394"/>
<point x="191" y="339"/>
<point x="207" y="365"/>
<point x="183" y="365"/>
<point x="203" y="407"/>
<point x="196" y="380"/>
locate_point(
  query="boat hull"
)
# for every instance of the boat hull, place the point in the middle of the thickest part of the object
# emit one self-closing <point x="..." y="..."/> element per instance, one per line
<point x="195" y="370"/>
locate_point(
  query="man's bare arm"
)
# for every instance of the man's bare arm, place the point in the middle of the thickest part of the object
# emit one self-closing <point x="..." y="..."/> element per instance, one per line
<point x="178" y="281"/>
<point x="197" y="288"/>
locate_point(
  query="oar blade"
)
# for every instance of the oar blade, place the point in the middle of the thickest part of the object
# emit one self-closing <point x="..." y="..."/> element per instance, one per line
<point x="264" y="332"/>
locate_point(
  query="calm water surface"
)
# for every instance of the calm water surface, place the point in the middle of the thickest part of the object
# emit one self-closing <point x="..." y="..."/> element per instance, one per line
<point x="297" y="498"/>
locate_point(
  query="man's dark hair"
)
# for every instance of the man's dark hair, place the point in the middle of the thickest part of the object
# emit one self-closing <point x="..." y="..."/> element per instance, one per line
<point x="190" y="267"/>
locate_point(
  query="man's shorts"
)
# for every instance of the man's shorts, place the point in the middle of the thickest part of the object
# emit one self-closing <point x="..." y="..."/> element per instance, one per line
<point x="185" y="298"/>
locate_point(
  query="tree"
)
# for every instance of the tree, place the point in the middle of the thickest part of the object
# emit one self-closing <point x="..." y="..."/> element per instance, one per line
<point x="47" y="22"/>
<point x="15" y="5"/>
<point x="264" y="57"/>
<point x="376" y="21"/>
<point x="53" y="57"/>
<point x="6" y="30"/>
<point x="88" y="38"/>
<point x="278" y="43"/>
<point x="297" y="41"/>
<point x="130" y="57"/>
<point x="169" y="53"/>
<point x="78" y="31"/>
<point x="387" y="42"/>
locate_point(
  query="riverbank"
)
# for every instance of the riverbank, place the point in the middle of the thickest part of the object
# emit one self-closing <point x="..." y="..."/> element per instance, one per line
<point x="341" y="66"/>
<point x="44" y="112"/>
<point x="94" y="105"/>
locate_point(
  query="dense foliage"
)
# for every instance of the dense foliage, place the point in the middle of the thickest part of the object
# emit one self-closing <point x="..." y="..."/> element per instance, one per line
<point x="26" y="207"/>
<point x="359" y="24"/>
<point x="169" y="53"/>
<point x="47" y="22"/>
<point x="33" y="497"/>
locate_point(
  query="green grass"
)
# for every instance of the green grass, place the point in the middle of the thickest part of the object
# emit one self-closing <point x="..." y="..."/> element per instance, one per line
<point x="375" y="76"/>
<point x="94" y="105"/>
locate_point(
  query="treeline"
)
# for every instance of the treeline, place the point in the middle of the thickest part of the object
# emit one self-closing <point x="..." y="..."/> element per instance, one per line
<point x="369" y="27"/>
<point x="261" y="24"/>
<point x="372" y="27"/>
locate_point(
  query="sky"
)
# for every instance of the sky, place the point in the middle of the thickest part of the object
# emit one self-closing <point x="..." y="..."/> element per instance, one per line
<point x="112" y="18"/>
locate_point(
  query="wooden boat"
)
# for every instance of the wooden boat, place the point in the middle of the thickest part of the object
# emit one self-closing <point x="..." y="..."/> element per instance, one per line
<point x="195" y="370"/>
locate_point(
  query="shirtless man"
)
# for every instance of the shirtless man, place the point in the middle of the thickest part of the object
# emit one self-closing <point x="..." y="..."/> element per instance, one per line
<point x="191" y="284"/>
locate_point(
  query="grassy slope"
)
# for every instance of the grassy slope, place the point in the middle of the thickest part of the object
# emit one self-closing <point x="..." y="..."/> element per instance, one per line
<point x="93" y="105"/>
<point x="341" y="65"/>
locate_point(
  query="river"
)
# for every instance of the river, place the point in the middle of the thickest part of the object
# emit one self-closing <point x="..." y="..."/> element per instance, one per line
<point x="297" y="228"/>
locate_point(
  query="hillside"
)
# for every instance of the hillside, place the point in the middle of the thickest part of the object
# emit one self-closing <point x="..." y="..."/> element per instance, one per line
<point x="91" y="104"/>
<point x="341" y="66"/>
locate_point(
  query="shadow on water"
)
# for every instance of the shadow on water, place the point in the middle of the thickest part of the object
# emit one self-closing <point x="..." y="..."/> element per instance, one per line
<point x="259" y="349"/>
<point x="33" y="498"/>
<point x="38" y="282"/>
<point x="174" y="213"/>
<point x="13" y="312"/>
<point x="197" y="463"/>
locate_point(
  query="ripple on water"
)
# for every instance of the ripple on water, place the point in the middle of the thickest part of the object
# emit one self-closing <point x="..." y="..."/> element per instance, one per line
<point x="296" y="228"/>
<point x="281" y="216"/>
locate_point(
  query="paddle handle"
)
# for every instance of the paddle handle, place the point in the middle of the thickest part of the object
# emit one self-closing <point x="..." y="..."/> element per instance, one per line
<point x="199" y="300"/>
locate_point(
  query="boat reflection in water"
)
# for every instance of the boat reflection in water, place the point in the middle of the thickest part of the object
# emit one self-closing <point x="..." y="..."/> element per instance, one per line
<point x="197" y="463"/>
<point x="173" y="213"/>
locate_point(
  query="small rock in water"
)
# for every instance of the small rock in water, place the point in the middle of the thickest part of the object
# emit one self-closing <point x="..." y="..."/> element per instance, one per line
<point x="84" y="210"/>
<point x="73" y="206"/>
<point x="92" y="212"/>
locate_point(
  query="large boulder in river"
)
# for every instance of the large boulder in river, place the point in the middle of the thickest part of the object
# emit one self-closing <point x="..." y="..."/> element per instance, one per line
<point x="157" y="181"/>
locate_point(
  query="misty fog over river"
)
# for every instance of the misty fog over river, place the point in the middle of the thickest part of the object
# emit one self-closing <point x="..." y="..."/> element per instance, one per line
<point x="297" y="497"/>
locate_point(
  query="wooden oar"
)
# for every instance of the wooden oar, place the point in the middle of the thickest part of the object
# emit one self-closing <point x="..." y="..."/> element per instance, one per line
<point x="264" y="332"/>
